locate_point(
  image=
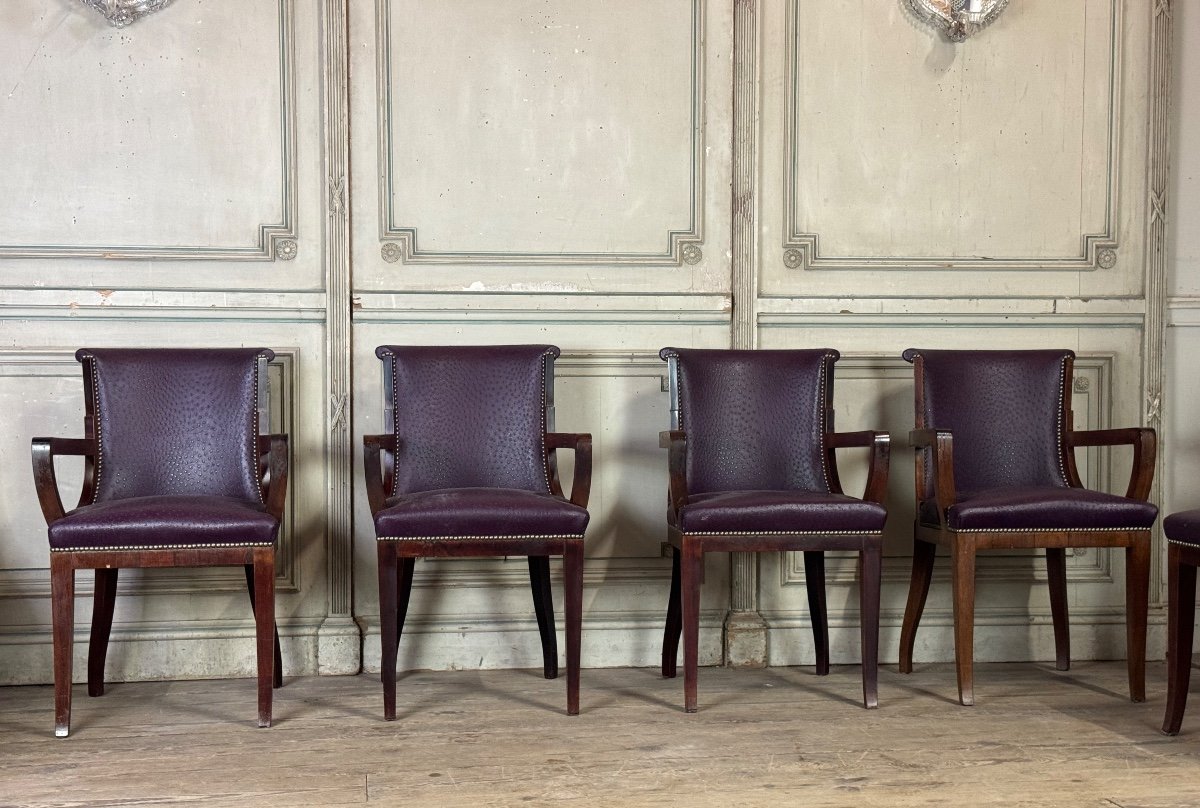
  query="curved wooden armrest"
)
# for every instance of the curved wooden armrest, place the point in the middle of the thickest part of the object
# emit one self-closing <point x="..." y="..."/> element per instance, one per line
<point x="940" y="444"/>
<point x="273" y="465"/>
<point x="581" y="478"/>
<point x="377" y="483"/>
<point x="1145" y="446"/>
<point x="880" y="444"/>
<point x="675" y="442"/>
<point x="44" y="450"/>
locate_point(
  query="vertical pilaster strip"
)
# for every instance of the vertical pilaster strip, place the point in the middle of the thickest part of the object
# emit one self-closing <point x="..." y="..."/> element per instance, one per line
<point x="339" y="647"/>
<point x="745" y="631"/>
<point x="1158" y="173"/>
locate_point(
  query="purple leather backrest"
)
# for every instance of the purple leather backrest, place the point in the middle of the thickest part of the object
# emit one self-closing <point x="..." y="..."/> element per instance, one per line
<point x="469" y="417"/>
<point x="175" y="422"/>
<point x="1006" y="411"/>
<point x="755" y="420"/>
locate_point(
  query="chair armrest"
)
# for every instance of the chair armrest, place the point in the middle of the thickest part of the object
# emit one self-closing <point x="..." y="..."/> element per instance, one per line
<point x="273" y="470"/>
<point x="675" y="442"/>
<point x="940" y="446"/>
<point x="44" y="450"/>
<point x="1145" y="447"/>
<point x="581" y="478"/>
<point x="378" y="478"/>
<point x="877" y="474"/>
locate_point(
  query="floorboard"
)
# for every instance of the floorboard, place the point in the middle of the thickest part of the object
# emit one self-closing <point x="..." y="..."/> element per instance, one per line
<point x="783" y="736"/>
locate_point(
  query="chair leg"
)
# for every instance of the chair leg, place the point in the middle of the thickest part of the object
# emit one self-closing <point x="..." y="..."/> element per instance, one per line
<point x="405" y="567"/>
<point x="1181" y="623"/>
<point x="389" y="637"/>
<point x="103" y="601"/>
<point x="573" y="615"/>
<point x="277" y="677"/>
<point x="870" y="562"/>
<point x="918" y="592"/>
<point x="670" y="648"/>
<point x="265" y="632"/>
<point x="1056" y="573"/>
<point x="62" y="595"/>
<point x="814" y="580"/>
<point x="1137" y="607"/>
<point x="691" y="570"/>
<point x="543" y="607"/>
<point x="963" y="583"/>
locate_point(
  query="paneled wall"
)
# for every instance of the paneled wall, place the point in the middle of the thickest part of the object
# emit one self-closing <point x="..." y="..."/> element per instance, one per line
<point x="322" y="177"/>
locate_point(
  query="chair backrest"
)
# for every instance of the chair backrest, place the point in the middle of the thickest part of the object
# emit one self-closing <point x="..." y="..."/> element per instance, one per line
<point x="469" y="417"/>
<point x="755" y="420"/>
<point x="176" y="421"/>
<point x="1008" y="412"/>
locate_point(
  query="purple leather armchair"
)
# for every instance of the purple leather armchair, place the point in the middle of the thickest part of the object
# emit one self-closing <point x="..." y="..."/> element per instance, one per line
<point x="996" y="470"/>
<point x="753" y="468"/>
<point x="178" y="472"/>
<point x="469" y="469"/>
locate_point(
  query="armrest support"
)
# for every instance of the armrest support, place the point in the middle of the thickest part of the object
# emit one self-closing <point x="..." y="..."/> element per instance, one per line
<point x="581" y="479"/>
<point x="880" y="445"/>
<point x="940" y="446"/>
<point x="378" y="482"/>
<point x="44" y="450"/>
<point x="675" y="442"/>
<point x="273" y="468"/>
<point x="1145" y="447"/>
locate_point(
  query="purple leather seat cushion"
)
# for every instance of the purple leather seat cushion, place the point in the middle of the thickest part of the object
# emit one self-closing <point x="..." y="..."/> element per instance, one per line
<point x="779" y="511"/>
<point x="164" y="521"/>
<point x="1183" y="527"/>
<point x="1044" y="508"/>
<point x="450" y="512"/>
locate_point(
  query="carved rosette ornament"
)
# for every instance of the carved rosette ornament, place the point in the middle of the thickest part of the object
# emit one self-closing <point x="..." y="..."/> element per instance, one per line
<point x="286" y="249"/>
<point x="792" y="259"/>
<point x="120" y="13"/>
<point x="390" y="252"/>
<point x="1106" y="259"/>
<point x="692" y="254"/>
<point x="957" y="19"/>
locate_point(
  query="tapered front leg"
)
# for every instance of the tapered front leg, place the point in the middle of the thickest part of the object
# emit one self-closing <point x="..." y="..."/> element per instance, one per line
<point x="388" y="637"/>
<point x="573" y="617"/>
<point x="264" y="621"/>
<point x="543" y="608"/>
<point x="691" y="571"/>
<point x="1056" y="575"/>
<point x="963" y="585"/>
<point x="1181" y="624"/>
<point x="1137" y="608"/>
<point x="870" y="578"/>
<point x="62" y="607"/>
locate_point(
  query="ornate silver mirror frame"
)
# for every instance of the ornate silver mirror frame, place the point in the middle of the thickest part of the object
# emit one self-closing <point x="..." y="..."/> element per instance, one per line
<point x="120" y="13"/>
<point x="957" y="19"/>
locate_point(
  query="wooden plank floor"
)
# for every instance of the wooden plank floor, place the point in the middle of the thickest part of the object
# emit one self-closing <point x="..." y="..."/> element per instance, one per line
<point x="777" y="737"/>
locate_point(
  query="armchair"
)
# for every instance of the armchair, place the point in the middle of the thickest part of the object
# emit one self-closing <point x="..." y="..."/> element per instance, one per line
<point x="996" y="469"/>
<point x="468" y="468"/>
<point x="753" y="469"/>
<point x="177" y="473"/>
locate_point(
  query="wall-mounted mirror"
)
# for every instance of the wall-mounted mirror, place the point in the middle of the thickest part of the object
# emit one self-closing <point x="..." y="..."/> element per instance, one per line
<point x="957" y="19"/>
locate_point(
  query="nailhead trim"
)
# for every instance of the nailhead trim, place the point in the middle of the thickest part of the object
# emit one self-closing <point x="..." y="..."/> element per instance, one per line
<point x="1184" y="543"/>
<point x="782" y="532"/>
<point x="1038" y="529"/>
<point x="476" y="538"/>
<point x="123" y="548"/>
<point x="96" y="425"/>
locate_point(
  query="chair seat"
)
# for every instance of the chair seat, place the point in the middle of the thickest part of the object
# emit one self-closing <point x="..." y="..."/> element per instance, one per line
<point x="1044" y="509"/>
<point x="166" y="522"/>
<point x="779" y="512"/>
<point x="478" y="512"/>
<point x="1183" y="527"/>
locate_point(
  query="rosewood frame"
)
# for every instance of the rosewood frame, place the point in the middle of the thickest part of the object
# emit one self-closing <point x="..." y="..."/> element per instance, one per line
<point x="688" y="549"/>
<point x="258" y="562"/>
<point x="938" y="445"/>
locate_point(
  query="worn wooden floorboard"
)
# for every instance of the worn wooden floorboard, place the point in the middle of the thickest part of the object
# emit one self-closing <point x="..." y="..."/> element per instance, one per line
<point x="1037" y="737"/>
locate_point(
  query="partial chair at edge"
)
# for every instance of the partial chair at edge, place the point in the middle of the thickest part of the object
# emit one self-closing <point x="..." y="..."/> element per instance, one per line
<point x="1183" y="556"/>
<point x="753" y="469"/>
<point x="995" y="469"/>
<point x="468" y="468"/>
<point x="177" y="473"/>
